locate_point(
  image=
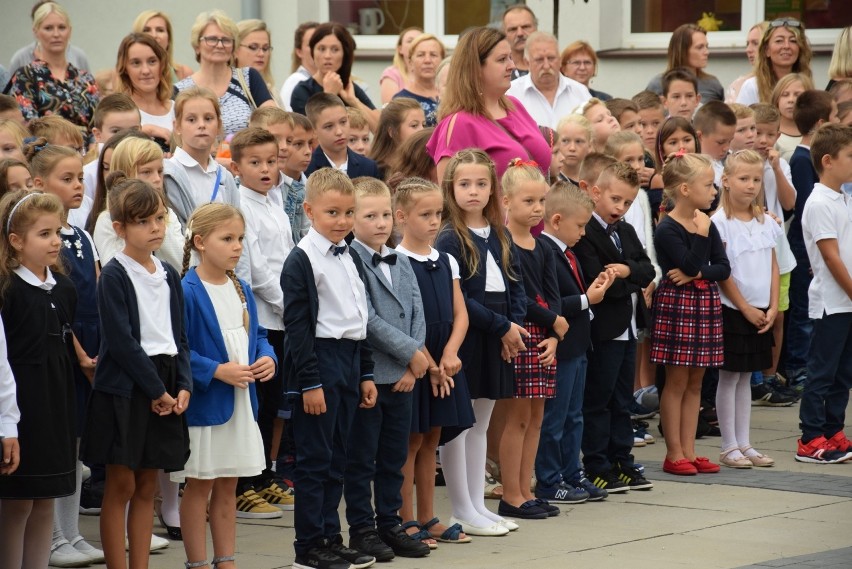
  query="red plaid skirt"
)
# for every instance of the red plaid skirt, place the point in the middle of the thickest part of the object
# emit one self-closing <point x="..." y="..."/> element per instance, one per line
<point x="533" y="380"/>
<point x="687" y="325"/>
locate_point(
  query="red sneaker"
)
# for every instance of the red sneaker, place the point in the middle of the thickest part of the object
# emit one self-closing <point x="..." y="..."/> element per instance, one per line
<point x="818" y="451"/>
<point x="681" y="467"/>
<point x="840" y="442"/>
<point x="703" y="465"/>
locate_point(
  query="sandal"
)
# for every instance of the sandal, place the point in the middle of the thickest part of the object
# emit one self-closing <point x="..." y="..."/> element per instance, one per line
<point x="492" y="469"/>
<point x="493" y="489"/>
<point x="420" y="535"/>
<point x="758" y="459"/>
<point x="450" y="535"/>
<point x="195" y="564"/>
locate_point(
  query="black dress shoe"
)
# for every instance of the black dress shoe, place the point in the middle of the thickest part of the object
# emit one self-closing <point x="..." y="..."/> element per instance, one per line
<point x="367" y="541"/>
<point x="403" y="544"/>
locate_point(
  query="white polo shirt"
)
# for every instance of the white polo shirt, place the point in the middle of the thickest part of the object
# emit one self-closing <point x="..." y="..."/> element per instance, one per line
<point x="570" y="94"/>
<point x="827" y="216"/>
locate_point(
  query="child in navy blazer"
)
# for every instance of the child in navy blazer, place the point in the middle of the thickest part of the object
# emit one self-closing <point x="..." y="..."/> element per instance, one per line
<point x="331" y="124"/>
<point x="228" y="353"/>
<point x="328" y="365"/>
<point x="396" y="332"/>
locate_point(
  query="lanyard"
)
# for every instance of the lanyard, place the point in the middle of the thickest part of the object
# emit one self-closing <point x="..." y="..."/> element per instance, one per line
<point x="216" y="183"/>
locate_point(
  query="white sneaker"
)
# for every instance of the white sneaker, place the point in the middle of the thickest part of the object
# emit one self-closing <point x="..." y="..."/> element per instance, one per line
<point x="157" y="543"/>
<point x="63" y="555"/>
<point x="94" y="554"/>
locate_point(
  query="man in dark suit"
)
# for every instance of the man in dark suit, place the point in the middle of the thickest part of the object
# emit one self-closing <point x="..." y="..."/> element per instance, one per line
<point x="557" y="465"/>
<point x="611" y="243"/>
<point x="331" y="124"/>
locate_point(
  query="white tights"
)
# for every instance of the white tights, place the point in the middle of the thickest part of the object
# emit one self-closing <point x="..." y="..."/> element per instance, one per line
<point x="733" y="408"/>
<point x="463" y="462"/>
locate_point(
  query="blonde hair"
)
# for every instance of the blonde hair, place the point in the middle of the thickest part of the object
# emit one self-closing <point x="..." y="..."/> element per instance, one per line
<point x="680" y="170"/>
<point x="426" y="37"/>
<point x="741" y="158"/>
<point x="25" y="213"/>
<point x="565" y="198"/>
<point x="132" y="152"/>
<point x="246" y="27"/>
<point x="578" y="120"/>
<point x="841" y="57"/>
<point x="139" y="25"/>
<point x="53" y="127"/>
<point x="366" y="187"/>
<point x="46" y="10"/>
<point x="492" y="212"/>
<point x="618" y="140"/>
<point x="410" y="189"/>
<point x="464" y="79"/>
<point x="357" y="120"/>
<point x="195" y="92"/>
<point x="14" y="129"/>
<point x="204" y="220"/>
<point x="267" y="116"/>
<point x="785" y="82"/>
<point x="763" y="73"/>
<point x="328" y="180"/>
<point x="741" y="111"/>
<point x="398" y="61"/>
<point x="219" y="18"/>
<point x="518" y="172"/>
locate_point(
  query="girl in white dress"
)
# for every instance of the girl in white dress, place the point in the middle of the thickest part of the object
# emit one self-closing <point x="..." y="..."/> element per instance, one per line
<point x="229" y="352"/>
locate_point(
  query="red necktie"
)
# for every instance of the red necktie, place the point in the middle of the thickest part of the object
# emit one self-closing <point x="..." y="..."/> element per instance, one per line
<point x="572" y="262"/>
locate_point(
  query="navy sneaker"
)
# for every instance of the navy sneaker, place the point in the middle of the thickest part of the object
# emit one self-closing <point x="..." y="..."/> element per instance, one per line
<point x="562" y="494"/>
<point x="595" y="494"/>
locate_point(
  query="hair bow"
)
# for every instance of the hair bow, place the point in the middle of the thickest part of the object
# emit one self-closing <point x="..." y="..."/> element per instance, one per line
<point x="532" y="163"/>
<point x="680" y="153"/>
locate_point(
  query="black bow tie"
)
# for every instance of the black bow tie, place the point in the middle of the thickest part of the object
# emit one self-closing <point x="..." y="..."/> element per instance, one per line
<point x="390" y="259"/>
<point x="338" y="250"/>
<point x="610" y="229"/>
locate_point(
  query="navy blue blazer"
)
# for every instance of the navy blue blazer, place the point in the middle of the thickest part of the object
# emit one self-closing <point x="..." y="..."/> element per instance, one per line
<point x="474" y="285"/>
<point x="578" y="338"/>
<point x="213" y="401"/>
<point x="301" y="307"/>
<point x="358" y="164"/>
<point x="121" y="361"/>
<point x="596" y="250"/>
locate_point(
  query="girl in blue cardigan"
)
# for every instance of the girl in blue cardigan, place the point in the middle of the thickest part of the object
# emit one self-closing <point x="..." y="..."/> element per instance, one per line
<point x="228" y="353"/>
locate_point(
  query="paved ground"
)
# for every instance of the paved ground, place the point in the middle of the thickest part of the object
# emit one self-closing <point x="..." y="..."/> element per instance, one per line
<point x="792" y="515"/>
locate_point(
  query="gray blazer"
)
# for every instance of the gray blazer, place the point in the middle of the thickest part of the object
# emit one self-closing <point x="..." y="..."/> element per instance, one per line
<point x="392" y="309"/>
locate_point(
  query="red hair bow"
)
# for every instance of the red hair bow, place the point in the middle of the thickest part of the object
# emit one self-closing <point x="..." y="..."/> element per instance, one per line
<point x="680" y="153"/>
<point x="532" y="163"/>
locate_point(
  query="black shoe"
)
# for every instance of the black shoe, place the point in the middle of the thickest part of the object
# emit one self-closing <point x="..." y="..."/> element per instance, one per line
<point x="547" y="507"/>
<point x="631" y="476"/>
<point x="764" y="395"/>
<point x="320" y="557"/>
<point x="401" y="543"/>
<point x="608" y="481"/>
<point x="529" y="510"/>
<point x="356" y="558"/>
<point x="368" y="542"/>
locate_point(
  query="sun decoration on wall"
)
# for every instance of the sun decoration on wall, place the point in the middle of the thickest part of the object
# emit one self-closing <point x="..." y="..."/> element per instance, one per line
<point x="709" y="22"/>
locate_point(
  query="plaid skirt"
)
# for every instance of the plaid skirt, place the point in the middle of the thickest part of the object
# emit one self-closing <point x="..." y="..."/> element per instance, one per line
<point x="533" y="380"/>
<point x="687" y="325"/>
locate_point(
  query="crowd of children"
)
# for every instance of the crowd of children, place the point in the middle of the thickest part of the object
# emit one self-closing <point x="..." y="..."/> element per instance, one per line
<point x="187" y="323"/>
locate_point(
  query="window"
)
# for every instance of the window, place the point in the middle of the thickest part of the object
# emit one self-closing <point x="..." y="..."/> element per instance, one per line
<point x="666" y="15"/>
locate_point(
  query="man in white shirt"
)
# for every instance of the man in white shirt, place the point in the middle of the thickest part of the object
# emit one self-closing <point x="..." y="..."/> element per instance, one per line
<point x="545" y="93"/>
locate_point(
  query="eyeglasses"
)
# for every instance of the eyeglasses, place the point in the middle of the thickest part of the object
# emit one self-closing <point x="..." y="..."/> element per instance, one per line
<point x="213" y="41"/>
<point x="581" y="63"/>
<point x="785" y="22"/>
<point x="254" y="48"/>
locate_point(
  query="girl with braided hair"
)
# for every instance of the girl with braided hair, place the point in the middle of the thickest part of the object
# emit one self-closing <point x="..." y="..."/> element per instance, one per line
<point x="225" y="440"/>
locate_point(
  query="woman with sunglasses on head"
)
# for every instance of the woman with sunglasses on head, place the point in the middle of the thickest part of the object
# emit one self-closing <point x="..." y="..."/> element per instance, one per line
<point x="783" y="49"/>
<point x="240" y="89"/>
<point x="254" y="49"/>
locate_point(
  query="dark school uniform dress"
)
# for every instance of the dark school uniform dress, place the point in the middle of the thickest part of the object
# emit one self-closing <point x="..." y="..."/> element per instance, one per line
<point x="491" y="315"/>
<point x="38" y="335"/>
<point x="688" y="318"/>
<point x="79" y="258"/>
<point x="435" y="279"/>
<point x="533" y="380"/>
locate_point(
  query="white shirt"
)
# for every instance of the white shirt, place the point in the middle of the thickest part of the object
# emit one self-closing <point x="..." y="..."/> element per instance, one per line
<point x="827" y="216"/>
<point x="493" y="273"/>
<point x="108" y="243"/>
<point x="153" y="296"/>
<point x="786" y="259"/>
<point x="385" y="251"/>
<point x="748" y="94"/>
<point x="201" y="180"/>
<point x="433" y="255"/>
<point x="9" y="412"/>
<point x="584" y="300"/>
<point x="749" y="247"/>
<point x="718" y="170"/>
<point x="268" y="241"/>
<point x="570" y="94"/>
<point x="631" y="329"/>
<point x="79" y="216"/>
<point x="343" y="167"/>
<point x="301" y="74"/>
<point x="342" y="310"/>
<point x="90" y="175"/>
<point x="166" y="121"/>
